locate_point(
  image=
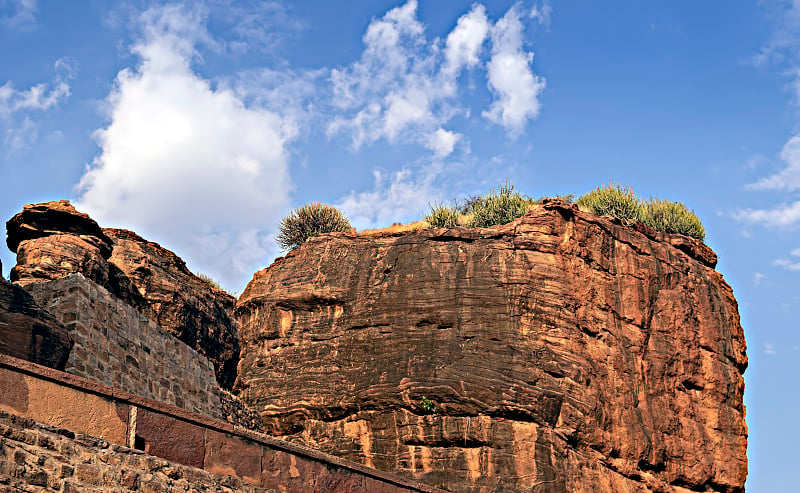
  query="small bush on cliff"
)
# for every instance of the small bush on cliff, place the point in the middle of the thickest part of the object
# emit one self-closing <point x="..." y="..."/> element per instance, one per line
<point x="442" y="216"/>
<point x="672" y="217"/>
<point x="613" y="200"/>
<point x="308" y="221"/>
<point x="497" y="207"/>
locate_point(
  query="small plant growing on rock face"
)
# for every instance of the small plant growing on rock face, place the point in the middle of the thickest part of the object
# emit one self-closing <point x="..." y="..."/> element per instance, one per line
<point x="672" y="217"/>
<point x="613" y="200"/>
<point x="308" y="221"/>
<point x="428" y="405"/>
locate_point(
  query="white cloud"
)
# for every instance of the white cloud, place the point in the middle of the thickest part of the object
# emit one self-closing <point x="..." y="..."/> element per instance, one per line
<point x="758" y="278"/>
<point x="787" y="264"/>
<point x="442" y="142"/>
<point x="18" y="105"/>
<point x="22" y="15"/>
<point x="404" y="197"/>
<point x="541" y="13"/>
<point x="404" y="88"/>
<point x="769" y="348"/>
<point x="779" y="217"/>
<point x="515" y="86"/>
<point x="789" y="178"/>
<point x="465" y="41"/>
<point x="187" y="164"/>
<point x="795" y="252"/>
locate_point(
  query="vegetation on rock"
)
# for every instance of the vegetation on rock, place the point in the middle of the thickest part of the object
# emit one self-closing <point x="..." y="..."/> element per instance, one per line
<point x="308" y="221"/>
<point x="662" y="215"/>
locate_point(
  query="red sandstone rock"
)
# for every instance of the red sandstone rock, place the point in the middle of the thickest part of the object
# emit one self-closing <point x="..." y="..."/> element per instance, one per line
<point x="53" y="240"/>
<point x="29" y="332"/>
<point x="194" y="311"/>
<point x="53" y="218"/>
<point x="562" y="352"/>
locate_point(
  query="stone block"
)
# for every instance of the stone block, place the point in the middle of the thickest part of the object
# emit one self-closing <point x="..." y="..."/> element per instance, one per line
<point x="171" y="438"/>
<point x="234" y="456"/>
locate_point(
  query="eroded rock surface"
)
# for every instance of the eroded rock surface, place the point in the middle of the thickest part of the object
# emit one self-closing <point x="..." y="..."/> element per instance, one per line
<point x="194" y="311"/>
<point x="560" y="352"/>
<point x="28" y="332"/>
<point x="53" y="240"/>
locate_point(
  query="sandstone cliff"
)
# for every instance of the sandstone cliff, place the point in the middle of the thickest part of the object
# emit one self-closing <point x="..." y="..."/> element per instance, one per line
<point x="53" y="240"/>
<point x="560" y="352"/>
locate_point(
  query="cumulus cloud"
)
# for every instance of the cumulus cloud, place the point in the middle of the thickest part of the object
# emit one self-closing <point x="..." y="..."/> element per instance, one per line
<point x="18" y="14"/>
<point x="186" y="163"/>
<point x="405" y="88"/>
<point x="442" y="142"/>
<point x="404" y="195"/>
<point x="515" y="86"/>
<point x="790" y="264"/>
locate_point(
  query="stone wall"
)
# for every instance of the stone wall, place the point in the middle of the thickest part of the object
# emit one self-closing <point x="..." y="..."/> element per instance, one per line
<point x="35" y="456"/>
<point x="67" y="433"/>
<point x="117" y="346"/>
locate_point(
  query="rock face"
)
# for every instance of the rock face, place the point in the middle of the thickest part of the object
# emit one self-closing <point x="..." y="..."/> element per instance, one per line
<point x="194" y="311"/>
<point x="560" y="352"/>
<point x="28" y="332"/>
<point x="53" y="240"/>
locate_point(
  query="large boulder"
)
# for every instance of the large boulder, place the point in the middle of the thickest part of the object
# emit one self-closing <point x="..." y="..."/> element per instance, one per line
<point x="54" y="218"/>
<point x="28" y="332"/>
<point x="560" y="352"/>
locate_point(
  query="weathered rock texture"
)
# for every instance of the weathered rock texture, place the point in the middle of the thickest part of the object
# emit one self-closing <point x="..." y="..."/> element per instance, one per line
<point x="190" y="308"/>
<point x="119" y="347"/>
<point x="28" y="332"/>
<point x="53" y="240"/>
<point x="562" y="352"/>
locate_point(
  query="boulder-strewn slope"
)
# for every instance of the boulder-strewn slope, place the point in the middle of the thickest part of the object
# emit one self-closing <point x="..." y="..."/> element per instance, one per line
<point x="53" y="240"/>
<point x="562" y="352"/>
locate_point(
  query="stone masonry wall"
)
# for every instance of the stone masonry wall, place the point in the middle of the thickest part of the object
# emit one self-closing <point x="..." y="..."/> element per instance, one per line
<point x="119" y="347"/>
<point x="64" y="432"/>
<point x="36" y="457"/>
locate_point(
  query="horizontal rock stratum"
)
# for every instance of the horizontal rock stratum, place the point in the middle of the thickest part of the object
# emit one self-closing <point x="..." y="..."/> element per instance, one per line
<point x="560" y="352"/>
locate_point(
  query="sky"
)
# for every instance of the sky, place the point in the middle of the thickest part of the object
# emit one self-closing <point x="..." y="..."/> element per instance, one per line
<point x="201" y="124"/>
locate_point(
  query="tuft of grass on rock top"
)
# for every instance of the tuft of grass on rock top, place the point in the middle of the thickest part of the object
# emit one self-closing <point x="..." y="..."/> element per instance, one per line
<point x="308" y="221"/>
<point x="672" y="217"/>
<point x="442" y="216"/>
<point x="613" y="200"/>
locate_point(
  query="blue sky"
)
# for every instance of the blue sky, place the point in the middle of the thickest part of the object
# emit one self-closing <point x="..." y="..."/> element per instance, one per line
<point x="200" y="124"/>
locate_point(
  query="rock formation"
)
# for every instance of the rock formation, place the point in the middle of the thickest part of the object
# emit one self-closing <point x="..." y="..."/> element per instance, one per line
<point x="29" y="332"/>
<point x="53" y="240"/>
<point x="560" y="352"/>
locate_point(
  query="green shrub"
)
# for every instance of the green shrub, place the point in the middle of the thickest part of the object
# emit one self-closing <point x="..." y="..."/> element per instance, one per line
<point x="672" y="217"/>
<point x="308" y="221"/>
<point x="496" y="207"/>
<point x="613" y="200"/>
<point x="442" y="216"/>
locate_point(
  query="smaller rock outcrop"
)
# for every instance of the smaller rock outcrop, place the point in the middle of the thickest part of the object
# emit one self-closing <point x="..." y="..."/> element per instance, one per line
<point x="53" y="218"/>
<point x="29" y="332"/>
<point x="180" y="302"/>
<point x="53" y="240"/>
